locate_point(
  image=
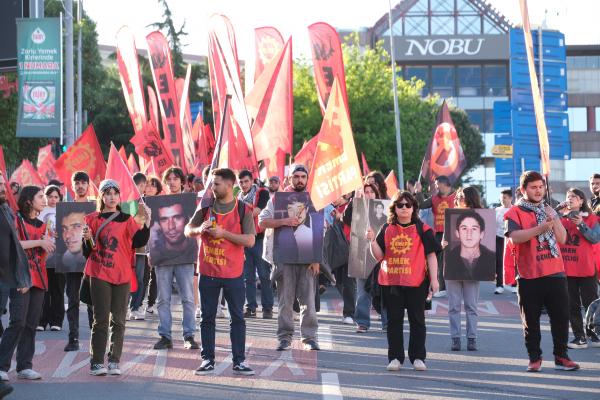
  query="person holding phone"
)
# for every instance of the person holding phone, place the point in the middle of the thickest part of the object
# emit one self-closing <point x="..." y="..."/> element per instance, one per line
<point x="406" y="248"/>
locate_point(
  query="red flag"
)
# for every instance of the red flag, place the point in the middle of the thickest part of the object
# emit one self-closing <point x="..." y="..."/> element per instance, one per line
<point x="46" y="168"/>
<point x="270" y="104"/>
<point x="117" y="170"/>
<point x="328" y="61"/>
<point x="538" y="105"/>
<point x="42" y="153"/>
<point x="185" y="119"/>
<point x="276" y="165"/>
<point x="26" y="175"/>
<point x="444" y="155"/>
<point x="84" y="155"/>
<point x="335" y="171"/>
<point x="268" y="42"/>
<point x="150" y="169"/>
<point x="392" y="183"/>
<point x="208" y="141"/>
<point x="150" y="147"/>
<point x="225" y="79"/>
<point x="164" y="82"/>
<point x="131" y="79"/>
<point x="123" y="153"/>
<point x="9" y="196"/>
<point x="306" y="154"/>
<point x="132" y="164"/>
<point x="365" y="166"/>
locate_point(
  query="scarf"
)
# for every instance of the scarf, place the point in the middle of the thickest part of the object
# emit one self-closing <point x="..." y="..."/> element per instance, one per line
<point x="248" y="198"/>
<point x="541" y="217"/>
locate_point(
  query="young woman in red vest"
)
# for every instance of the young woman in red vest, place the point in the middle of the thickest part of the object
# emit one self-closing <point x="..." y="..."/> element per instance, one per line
<point x="407" y="250"/>
<point x="26" y="303"/>
<point x="583" y="231"/>
<point x="536" y="232"/>
<point x="109" y="242"/>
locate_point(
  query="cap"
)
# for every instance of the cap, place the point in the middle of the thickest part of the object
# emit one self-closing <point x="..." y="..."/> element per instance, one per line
<point x="108" y="184"/>
<point x="274" y="178"/>
<point x="299" y="168"/>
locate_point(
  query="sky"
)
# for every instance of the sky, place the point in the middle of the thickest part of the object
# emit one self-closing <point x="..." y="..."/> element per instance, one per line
<point x="578" y="21"/>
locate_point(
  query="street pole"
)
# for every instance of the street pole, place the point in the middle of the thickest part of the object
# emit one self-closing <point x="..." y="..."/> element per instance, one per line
<point x="396" y="107"/>
<point x="79" y="126"/>
<point x="69" y="95"/>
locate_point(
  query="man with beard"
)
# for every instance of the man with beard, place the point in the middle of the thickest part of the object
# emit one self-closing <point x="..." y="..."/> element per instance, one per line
<point x="595" y="189"/>
<point x="293" y="280"/>
<point x="273" y="185"/>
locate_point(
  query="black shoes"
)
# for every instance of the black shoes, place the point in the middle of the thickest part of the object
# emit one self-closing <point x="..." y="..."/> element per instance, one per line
<point x="189" y="343"/>
<point x="242" y="369"/>
<point x="250" y="313"/>
<point x="284" y="345"/>
<point x="73" y="345"/>
<point x="206" y="368"/>
<point x="471" y="344"/>
<point x="311" y="345"/>
<point x="267" y="313"/>
<point x="455" y="344"/>
<point x="163" y="343"/>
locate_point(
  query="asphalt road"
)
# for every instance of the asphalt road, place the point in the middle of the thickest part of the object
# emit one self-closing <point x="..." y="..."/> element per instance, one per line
<point x="349" y="366"/>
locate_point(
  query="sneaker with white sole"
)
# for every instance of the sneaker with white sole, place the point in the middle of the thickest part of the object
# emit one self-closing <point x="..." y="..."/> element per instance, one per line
<point x="441" y="293"/>
<point x="55" y="328"/>
<point x="578" y="343"/>
<point x="394" y="365"/>
<point x="98" y="370"/>
<point x="206" y="368"/>
<point x="594" y="340"/>
<point x="139" y="315"/>
<point x="419" y="365"/>
<point x="220" y="312"/>
<point x="499" y="290"/>
<point x="198" y="312"/>
<point x="150" y="309"/>
<point x="242" y="369"/>
<point x="514" y="289"/>
<point x="113" y="368"/>
<point x="347" y="321"/>
<point x="4" y="376"/>
<point x="29" y="374"/>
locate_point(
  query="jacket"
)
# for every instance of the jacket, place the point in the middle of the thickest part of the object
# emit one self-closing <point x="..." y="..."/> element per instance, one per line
<point x="17" y="275"/>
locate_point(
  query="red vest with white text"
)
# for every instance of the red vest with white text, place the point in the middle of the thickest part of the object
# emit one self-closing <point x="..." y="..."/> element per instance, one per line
<point x="404" y="262"/>
<point x="439" y="205"/>
<point x="578" y="253"/>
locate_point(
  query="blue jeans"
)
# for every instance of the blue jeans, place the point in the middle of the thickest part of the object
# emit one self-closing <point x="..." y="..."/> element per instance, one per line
<point x="253" y="263"/>
<point x="137" y="298"/>
<point x="362" y="313"/>
<point x="184" y="275"/>
<point x="233" y="291"/>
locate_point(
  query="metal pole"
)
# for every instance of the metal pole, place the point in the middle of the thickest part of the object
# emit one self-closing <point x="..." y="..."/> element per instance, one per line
<point x="79" y="126"/>
<point x="396" y="107"/>
<point x="69" y="95"/>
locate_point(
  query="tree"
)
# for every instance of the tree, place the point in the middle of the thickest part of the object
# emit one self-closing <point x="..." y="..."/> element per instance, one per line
<point x="371" y="104"/>
<point x="173" y="36"/>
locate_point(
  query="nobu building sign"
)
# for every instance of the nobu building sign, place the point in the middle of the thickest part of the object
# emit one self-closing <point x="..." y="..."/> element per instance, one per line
<point x="432" y="48"/>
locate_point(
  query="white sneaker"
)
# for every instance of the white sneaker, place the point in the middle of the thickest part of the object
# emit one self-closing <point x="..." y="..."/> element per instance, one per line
<point x="39" y="328"/>
<point x="419" y="365"/>
<point x="198" y="312"/>
<point x="514" y="289"/>
<point x="394" y="365"/>
<point x="113" y="369"/>
<point x="220" y="312"/>
<point x="29" y="374"/>
<point x="150" y="310"/>
<point x="55" y="328"/>
<point x="348" y="321"/>
<point x="3" y="376"/>
<point x="441" y="293"/>
<point x="499" y="290"/>
<point x="139" y="315"/>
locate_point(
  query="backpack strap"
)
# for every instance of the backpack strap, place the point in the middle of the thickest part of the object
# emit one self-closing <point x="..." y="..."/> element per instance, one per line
<point x="241" y="209"/>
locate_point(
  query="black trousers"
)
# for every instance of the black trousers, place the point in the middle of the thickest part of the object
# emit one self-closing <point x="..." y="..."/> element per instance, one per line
<point x="347" y="288"/>
<point x="533" y="295"/>
<point x="499" y="261"/>
<point x="150" y="282"/>
<point x="25" y="310"/>
<point x="72" y="286"/>
<point x="582" y="291"/>
<point x="440" y="260"/>
<point x="397" y="299"/>
<point x="53" y="312"/>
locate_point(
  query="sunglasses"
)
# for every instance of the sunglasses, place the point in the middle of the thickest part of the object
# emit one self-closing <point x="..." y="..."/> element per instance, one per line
<point x="403" y="205"/>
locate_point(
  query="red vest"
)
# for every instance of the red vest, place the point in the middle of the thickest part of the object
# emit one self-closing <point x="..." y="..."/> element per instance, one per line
<point x="256" y="197"/>
<point x="578" y="253"/>
<point x="111" y="260"/>
<point x="404" y="262"/>
<point x="439" y="205"/>
<point x="220" y="258"/>
<point x="39" y="279"/>
<point x="532" y="258"/>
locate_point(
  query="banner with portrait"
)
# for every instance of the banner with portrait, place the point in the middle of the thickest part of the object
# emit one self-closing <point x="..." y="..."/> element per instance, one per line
<point x="302" y="244"/>
<point x="471" y="251"/>
<point x="168" y="244"/>
<point x="365" y="214"/>
<point x="69" y="233"/>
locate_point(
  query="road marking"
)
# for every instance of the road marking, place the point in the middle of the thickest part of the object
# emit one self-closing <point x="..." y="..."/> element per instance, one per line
<point x="66" y="366"/>
<point x="160" y="365"/>
<point x="286" y="359"/>
<point x="330" y="385"/>
<point x="487" y="307"/>
<point x="325" y="338"/>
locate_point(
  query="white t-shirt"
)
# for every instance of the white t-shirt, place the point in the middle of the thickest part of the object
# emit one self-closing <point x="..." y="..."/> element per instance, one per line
<point x="500" y="211"/>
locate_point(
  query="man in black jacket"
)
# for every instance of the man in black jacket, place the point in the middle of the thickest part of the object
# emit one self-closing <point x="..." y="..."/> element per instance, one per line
<point x="14" y="267"/>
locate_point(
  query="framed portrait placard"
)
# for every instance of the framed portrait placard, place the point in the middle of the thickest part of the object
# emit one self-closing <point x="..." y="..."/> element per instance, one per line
<point x="69" y="234"/>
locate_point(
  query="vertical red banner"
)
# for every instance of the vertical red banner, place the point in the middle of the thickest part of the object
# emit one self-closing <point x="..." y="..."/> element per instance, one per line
<point x="268" y="43"/>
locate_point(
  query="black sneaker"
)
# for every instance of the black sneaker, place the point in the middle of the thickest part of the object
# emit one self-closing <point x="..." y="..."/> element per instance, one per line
<point x="206" y="368"/>
<point x="311" y="345"/>
<point x="5" y="390"/>
<point x="471" y="344"/>
<point x="284" y="345"/>
<point x="163" y="343"/>
<point x="242" y="369"/>
<point x="455" y="344"/>
<point x="250" y="313"/>
<point x="268" y="314"/>
<point x="578" y="343"/>
<point x="98" y="370"/>
<point x="73" y="345"/>
<point x="594" y="340"/>
<point x="190" y="344"/>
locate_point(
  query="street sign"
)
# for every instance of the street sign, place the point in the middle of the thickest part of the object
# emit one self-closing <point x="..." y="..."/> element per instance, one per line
<point x="502" y="150"/>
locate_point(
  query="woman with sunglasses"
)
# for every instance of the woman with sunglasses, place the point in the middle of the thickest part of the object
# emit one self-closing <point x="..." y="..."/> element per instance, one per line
<point x="583" y="231"/>
<point x="407" y="250"/>
<point x="463" y="291"/>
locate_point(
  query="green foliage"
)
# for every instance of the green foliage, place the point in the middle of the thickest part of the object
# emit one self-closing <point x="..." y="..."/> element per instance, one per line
<point x="173" y="36"/>
<point x="371" y="104"/>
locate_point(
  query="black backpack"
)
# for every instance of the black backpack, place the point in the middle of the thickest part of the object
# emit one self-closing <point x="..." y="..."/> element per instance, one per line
<point x="336" y="248"/>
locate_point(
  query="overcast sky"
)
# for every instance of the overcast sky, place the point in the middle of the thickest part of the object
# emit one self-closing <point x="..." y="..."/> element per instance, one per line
<point x="579" y="22"/>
